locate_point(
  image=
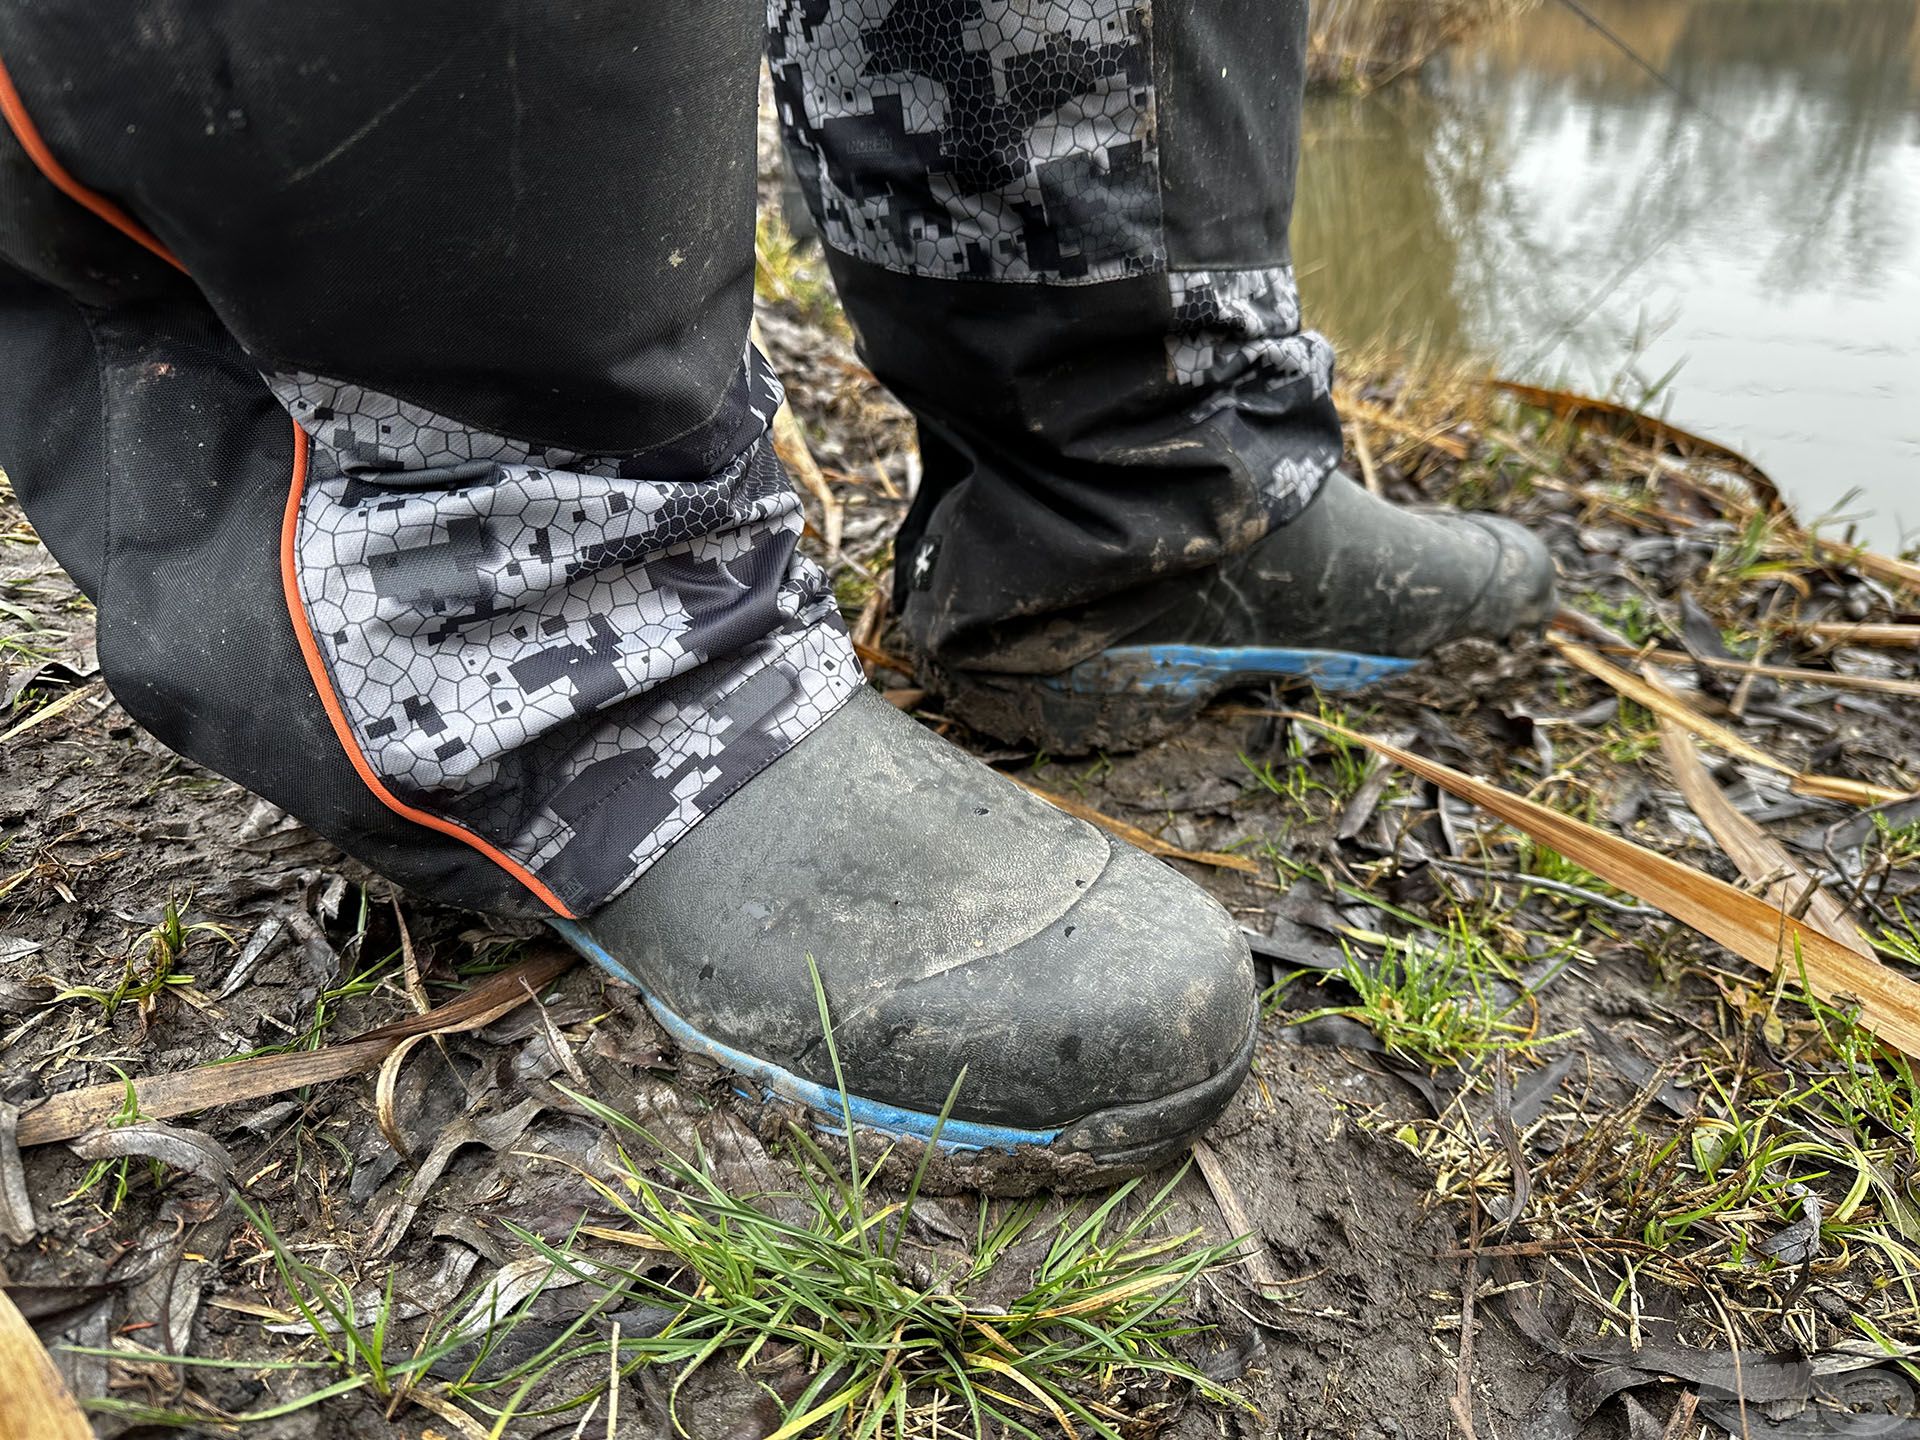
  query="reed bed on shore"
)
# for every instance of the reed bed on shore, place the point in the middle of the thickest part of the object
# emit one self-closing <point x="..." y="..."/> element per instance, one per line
<point x="1363" y="44"/>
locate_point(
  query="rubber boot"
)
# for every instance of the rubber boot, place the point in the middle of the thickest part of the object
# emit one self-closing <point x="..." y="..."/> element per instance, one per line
<point x="1352" y="591"/>
<point x="1101" y="1005"/>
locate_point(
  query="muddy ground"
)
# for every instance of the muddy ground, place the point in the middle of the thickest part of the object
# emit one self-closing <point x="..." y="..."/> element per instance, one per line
<point x="1359" y="1170"/>
<point x="103" y="829"/>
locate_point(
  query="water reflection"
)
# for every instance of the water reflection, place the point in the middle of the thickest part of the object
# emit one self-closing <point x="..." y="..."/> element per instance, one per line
<point x="1752" y="216"/>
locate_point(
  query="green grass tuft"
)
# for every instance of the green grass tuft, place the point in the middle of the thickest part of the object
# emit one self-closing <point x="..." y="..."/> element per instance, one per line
<point x="1435" y="996"/>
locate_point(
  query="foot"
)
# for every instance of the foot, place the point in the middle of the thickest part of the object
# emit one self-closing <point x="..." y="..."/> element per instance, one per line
<point x="1352" y="591"/>
<point x="1101" y="1004"/>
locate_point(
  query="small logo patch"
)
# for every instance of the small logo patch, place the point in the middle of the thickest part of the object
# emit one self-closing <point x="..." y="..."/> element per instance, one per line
<point x="924" y="559"/>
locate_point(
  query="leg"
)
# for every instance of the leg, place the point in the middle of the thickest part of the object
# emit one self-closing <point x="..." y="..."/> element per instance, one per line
<point x="541" y="558"/>
<point x="1060" y="230"/>
<point x="1087" y="306"/>
<point x="510" y="606"/>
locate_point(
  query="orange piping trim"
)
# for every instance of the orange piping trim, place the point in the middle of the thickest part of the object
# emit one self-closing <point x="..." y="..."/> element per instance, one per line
<point x="28" y="134"/>
<point x="14" y="109"/>
<point x="322" y="682"/>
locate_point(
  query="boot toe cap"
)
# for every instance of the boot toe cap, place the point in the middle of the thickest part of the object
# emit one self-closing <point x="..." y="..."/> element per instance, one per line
<point x="1132" y="1011"/>
<point x="1520" y="591"/>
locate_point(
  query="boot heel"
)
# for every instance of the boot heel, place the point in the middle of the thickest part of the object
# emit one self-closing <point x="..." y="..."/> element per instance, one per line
<point x="1133" y="695"/>
<point x="1064" y="720"/>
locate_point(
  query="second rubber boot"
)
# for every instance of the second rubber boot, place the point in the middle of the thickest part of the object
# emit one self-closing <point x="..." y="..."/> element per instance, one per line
<point x="1100" y="1004"/>
<point x="1351" y="591"/>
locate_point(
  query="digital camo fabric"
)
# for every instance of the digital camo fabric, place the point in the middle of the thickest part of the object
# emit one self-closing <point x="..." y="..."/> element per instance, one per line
<point x="1236" y="336"/>
<point x="574" y="657"/>
<point x="1228" y="324"/>
<point x="1014" y="141"/>
<point x="991" y="139"/>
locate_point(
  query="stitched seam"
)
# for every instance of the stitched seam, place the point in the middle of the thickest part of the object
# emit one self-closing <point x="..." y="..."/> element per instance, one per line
<point x="106" y="459"/>
<point x="315" y="655"/>
<point x="20" y="120"/>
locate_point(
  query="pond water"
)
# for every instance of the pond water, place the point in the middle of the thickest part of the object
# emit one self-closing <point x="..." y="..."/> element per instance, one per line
<point x="1742" y="223"/>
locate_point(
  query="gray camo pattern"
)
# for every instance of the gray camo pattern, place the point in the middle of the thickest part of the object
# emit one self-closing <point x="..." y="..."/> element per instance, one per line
<point x="574" y="664"/>
<point x="577" y="663"/>
<point x="1013" y="141"/>
<point x="974" y="138"/>
<point x="1236" y="331"/>
<point x="1228" y="324"/>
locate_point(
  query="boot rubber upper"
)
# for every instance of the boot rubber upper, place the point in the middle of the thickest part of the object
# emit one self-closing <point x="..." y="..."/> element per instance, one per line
<point x="1355" y="573"/>
<point x="955" y="919"/>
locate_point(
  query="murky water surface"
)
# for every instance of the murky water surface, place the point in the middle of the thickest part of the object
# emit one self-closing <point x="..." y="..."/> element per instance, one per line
<point x="1746" y="223"/>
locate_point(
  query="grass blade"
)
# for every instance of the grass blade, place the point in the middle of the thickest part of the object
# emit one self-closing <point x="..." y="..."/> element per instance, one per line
<point x="926" y="1158"/>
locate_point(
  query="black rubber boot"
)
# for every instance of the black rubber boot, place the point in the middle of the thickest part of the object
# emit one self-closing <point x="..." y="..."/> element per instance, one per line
<point x="1352" y="591"/>
<point x="1102" y="1005"/>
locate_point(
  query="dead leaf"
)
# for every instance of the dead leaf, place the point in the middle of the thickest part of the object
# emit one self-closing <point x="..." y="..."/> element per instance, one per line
<point x="1747" y="925"/>
<point x="1763" y="860"/>
<point x="428" y="1400"/>
<point x="511" y="1285"/>
<point x="384" y="1111"/>
<point x="1847" y="632"/>
<point x="1835" y="679"/>
<point x="410" y="963"/>
<point x="1884" y="568"/>
<point x="18" y="1224"/>
<point x="200" y="1156"/>
<point x="259" y="945"/>
<point x="874" y="658"/>
<point x="47" y="712"/>
<point x="1655" y="696"/>
<point x="163" y="1097"/>
<point x="34" y="1402"/>
<point x="1354" y="410"/>
<point x="1240" y="1228"/>
<point x="496" y="1132"/>
<point x="1648" y="430"/>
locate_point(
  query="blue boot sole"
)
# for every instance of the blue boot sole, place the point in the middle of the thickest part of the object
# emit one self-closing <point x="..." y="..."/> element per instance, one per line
<point x="1203" y="671"/>
<point x="1109" y="1144"/>
<point x="777" y="1083"/>
<point x="1132" y="695"/>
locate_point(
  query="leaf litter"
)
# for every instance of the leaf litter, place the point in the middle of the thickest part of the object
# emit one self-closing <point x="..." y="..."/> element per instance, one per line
<point x="1522" y="1154"/>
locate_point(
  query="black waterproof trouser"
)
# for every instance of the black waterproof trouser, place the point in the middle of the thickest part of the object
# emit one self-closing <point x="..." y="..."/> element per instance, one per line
<point x="381" y="372"/>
